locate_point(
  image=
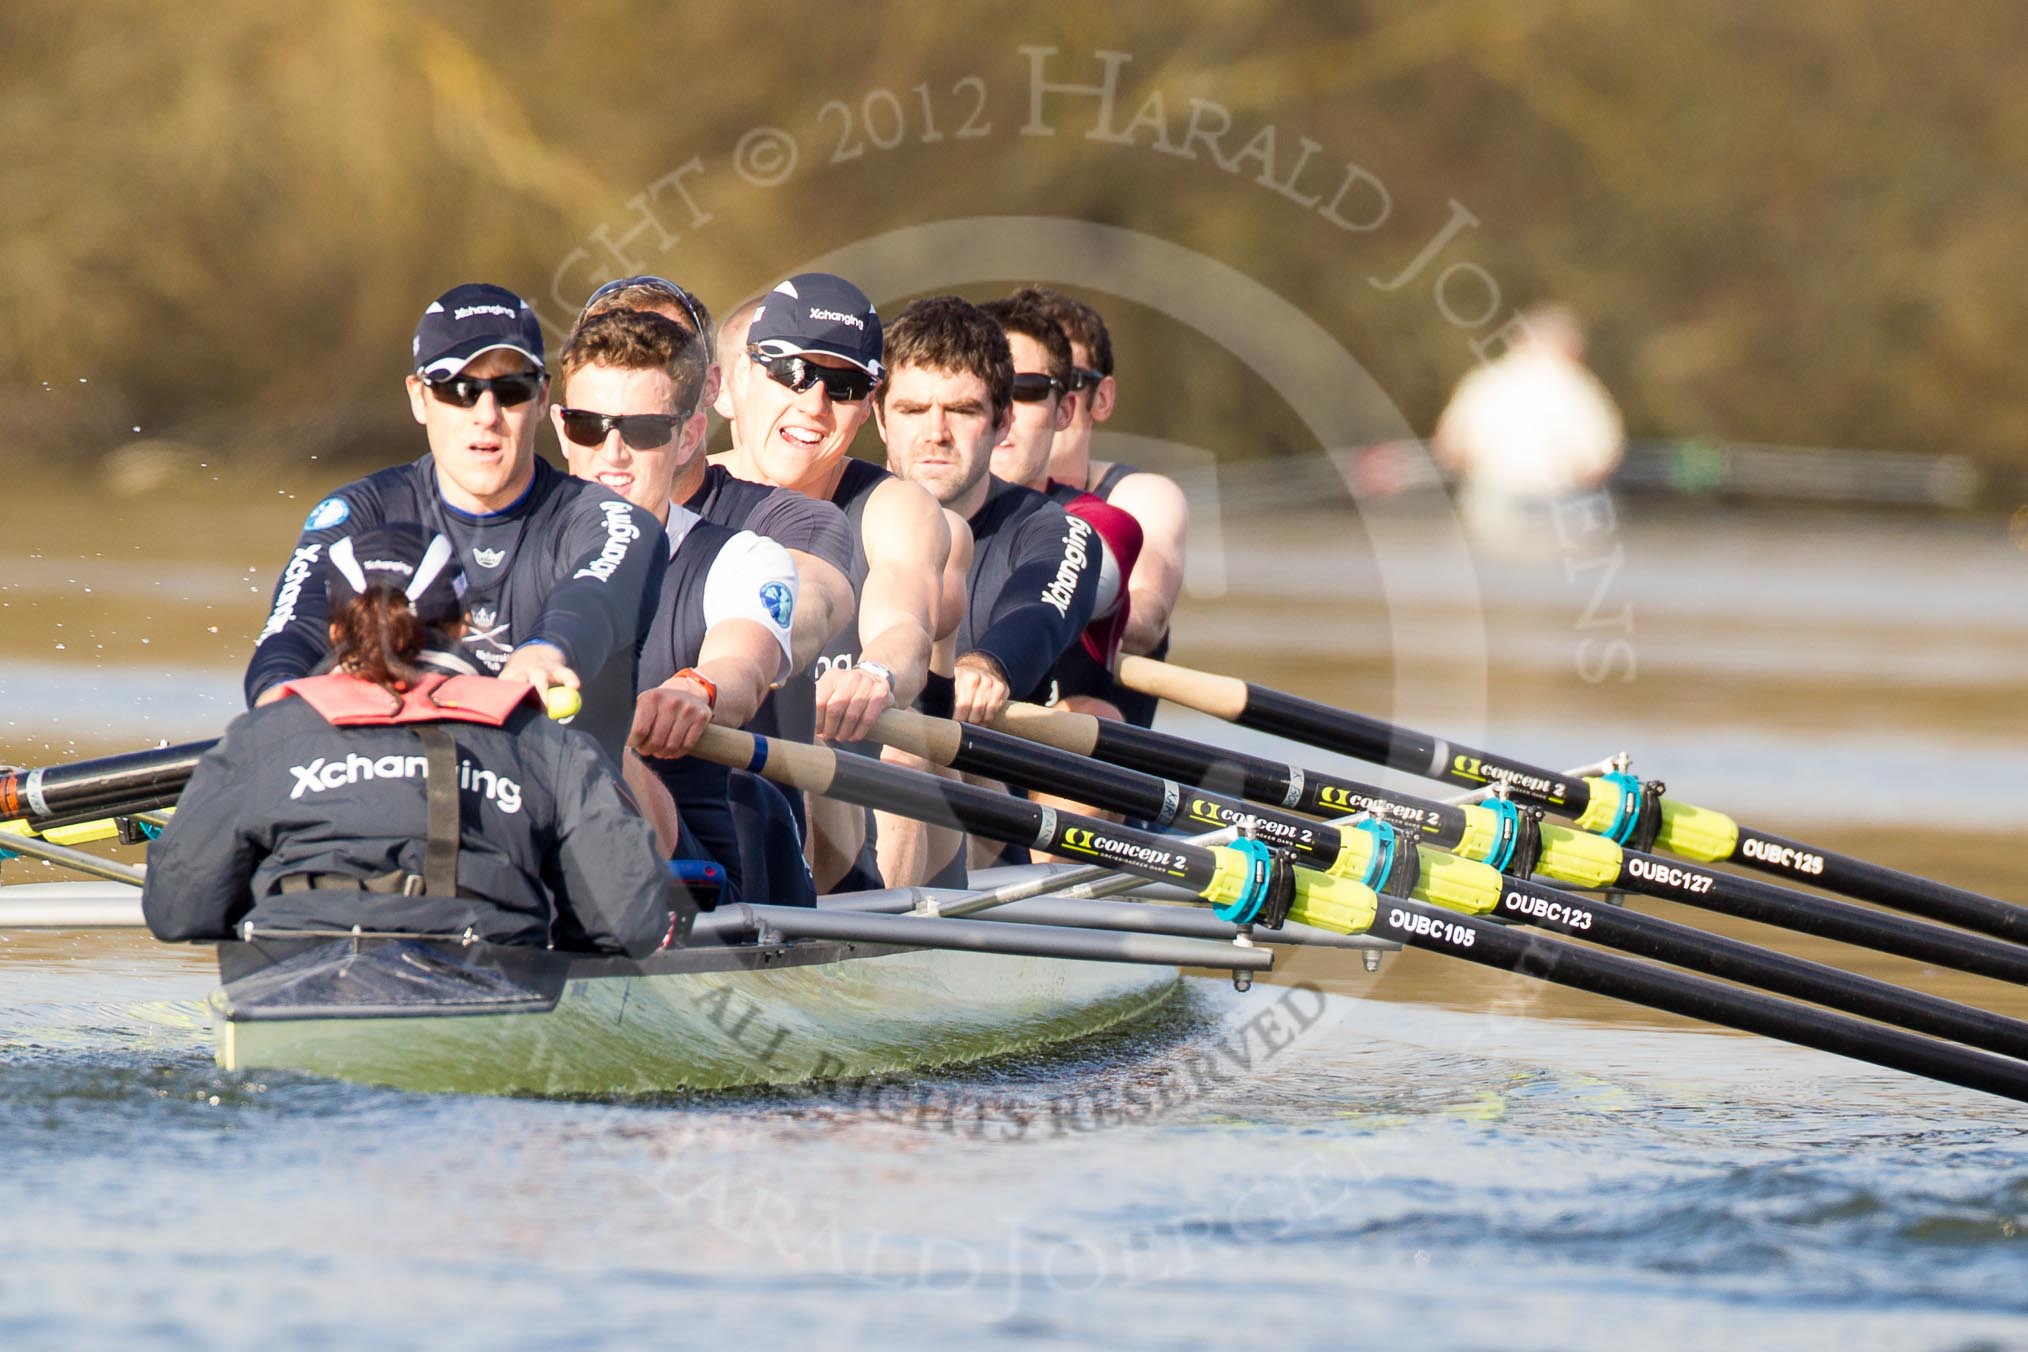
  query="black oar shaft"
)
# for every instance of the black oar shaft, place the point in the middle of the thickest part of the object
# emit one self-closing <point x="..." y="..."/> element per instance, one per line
<point x="998" y="816"/>
<point x="1536" y="955"/>
<point x="1769" y="904"/>
<point x="1354" y="735"/>
<point x="1443" y="826"/>
<point x="1651" y="936"/>
<point x="1368" y="739"/>
<point x="95" y="787"/>
<point x="865" y="781"/>
<point x="1033" y="766"/>
<point x="1765" y="852"/>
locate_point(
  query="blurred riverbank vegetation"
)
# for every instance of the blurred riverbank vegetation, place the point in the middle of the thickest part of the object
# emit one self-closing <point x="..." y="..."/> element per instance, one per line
<point x="1792" y="224"/>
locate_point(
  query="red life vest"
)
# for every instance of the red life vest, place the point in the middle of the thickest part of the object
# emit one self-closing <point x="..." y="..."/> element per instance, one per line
<point x="349" y="702"/>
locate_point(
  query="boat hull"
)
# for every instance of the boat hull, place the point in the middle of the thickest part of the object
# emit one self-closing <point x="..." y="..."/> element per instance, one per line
<point x="701" y="1020"/>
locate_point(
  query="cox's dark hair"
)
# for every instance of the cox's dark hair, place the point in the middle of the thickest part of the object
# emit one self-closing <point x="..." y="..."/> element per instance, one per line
<point x="378" y="637"/>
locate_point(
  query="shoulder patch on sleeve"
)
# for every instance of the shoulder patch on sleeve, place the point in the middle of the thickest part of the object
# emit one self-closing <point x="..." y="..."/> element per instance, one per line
<point x="780" y="602"/>
<point x="328" y="513"/>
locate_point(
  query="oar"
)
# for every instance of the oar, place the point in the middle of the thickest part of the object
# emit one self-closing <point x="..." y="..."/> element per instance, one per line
<point x="1093" y="881"/>
<point x="1379" y="857"/>
<point x="107" y="786"/>
<point x="1619" y="806"/>
<point x="1582" y="859"/>
<point x="1337" y="903"/>
<point x="138" y="782"/>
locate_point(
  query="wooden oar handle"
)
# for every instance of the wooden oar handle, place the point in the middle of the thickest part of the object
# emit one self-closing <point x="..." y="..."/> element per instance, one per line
<point x="1220" y="696"/>
<point x="797" y="764"/>
<point x="934" y="739"/>
<point x="1059" y="728"/>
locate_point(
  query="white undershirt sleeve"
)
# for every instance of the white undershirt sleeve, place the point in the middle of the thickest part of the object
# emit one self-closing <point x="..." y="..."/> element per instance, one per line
<point x="753" y="578"/>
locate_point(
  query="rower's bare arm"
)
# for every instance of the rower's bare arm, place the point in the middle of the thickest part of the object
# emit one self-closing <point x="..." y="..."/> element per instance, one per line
<point x="1158" y="504"/>
<point x="945" y="650"/>
<point x="908" y="543"/>
<point x="957" y="569"/>
<point x="737" y="664"/>
<point x="652" y="796"/>
<point x="823" y="606"/>
<point x="908" y="850"/>
<point x="743" y="659"/>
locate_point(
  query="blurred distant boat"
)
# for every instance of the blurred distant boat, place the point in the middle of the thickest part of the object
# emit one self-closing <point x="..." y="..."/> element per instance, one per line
<point x="1801" y="473"/>
<point x="1692" y="468"/>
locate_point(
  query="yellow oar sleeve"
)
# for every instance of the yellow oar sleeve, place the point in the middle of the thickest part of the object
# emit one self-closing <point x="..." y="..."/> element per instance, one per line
<point x="77" y="833"/>
<point x="1579" y="857"/>
<point x="1337" y="904"/>
<point x="1463" y="885"/>
<point x="1697" y="832"/>
<point x="1343" y="905"/>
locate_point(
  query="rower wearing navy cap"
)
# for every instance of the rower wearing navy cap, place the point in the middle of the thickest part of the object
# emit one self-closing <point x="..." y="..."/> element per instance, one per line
<point x="405" y="793"/>
<point x="564" y="573"/>
<point x="802" y="392"/>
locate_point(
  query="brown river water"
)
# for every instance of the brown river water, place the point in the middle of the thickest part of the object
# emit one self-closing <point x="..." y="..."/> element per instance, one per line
<point x="1589" y="1172"/>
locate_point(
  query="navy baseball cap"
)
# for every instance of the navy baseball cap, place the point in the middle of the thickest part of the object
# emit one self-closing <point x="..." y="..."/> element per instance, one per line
<point x="468" y="320"/>
<point x="417" y="563"/>
<point x="815" y="312"/>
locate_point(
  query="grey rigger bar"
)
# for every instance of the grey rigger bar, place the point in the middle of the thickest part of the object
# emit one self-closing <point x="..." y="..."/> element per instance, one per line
<point x="1131" y="916"/>
<point x="730" y="923"/>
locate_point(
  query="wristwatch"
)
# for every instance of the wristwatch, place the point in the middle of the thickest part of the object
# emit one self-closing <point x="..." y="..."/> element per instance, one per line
<point x="884" y="673"/>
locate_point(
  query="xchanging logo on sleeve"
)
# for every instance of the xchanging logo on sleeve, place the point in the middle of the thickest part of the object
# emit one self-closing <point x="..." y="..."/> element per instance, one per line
<point x="620" y="533"/>
<point x="1062" y="588"/>
<point x="293" y="577"/>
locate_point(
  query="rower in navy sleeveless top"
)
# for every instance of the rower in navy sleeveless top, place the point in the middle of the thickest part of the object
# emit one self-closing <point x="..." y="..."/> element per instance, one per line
<point x="564" y="574"/>
<point x="404" y="793"/>
<point x="799" y="391"/>
<point x="947" y="404"/>
<point x="629" y="418"/>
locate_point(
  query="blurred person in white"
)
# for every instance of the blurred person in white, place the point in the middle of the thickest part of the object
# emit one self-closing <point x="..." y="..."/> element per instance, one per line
<point x="1528" y="430"/>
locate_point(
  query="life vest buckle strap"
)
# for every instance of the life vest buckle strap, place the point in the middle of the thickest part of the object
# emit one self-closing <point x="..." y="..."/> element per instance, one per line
<point x="396" y="882"/>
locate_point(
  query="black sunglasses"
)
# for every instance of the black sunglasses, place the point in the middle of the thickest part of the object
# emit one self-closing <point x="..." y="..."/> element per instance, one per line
<point x="699" y="326"/>
<point x="1033" y="386"/>
<point x="1085" y="378"/>
<point x="845" y="385"/>
<point x="641" y="431"/>
<point x="464" y="391"/>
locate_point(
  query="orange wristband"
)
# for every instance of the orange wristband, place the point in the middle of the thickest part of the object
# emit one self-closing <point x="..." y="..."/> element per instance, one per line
<point x="710" y="690"/>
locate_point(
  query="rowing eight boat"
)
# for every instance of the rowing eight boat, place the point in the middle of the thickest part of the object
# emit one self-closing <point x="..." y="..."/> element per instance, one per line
<point x="761" y="995"/>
